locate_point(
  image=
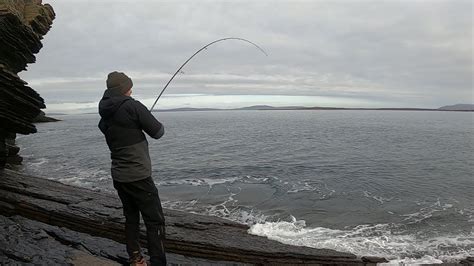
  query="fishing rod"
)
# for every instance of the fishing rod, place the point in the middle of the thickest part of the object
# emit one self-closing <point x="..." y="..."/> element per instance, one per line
<point x="197" y="52"/>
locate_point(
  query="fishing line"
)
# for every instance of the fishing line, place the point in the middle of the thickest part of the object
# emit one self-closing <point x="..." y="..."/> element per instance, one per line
<point x="198" y="51"/>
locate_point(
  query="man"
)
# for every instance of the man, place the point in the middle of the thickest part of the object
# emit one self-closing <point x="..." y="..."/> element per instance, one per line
<point x="123" y="121"/>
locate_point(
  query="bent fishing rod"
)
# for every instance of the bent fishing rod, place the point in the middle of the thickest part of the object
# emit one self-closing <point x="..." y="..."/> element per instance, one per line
<point x="197" y="52"/>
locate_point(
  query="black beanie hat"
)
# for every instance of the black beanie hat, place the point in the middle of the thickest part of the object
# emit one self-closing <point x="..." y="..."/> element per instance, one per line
<point x="119" y="81"/>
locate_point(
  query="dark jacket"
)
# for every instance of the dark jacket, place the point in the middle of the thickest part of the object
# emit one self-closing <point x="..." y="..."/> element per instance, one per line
<point x="123" y="121"/>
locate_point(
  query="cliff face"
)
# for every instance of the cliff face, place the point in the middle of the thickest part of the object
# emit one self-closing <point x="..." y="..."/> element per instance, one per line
<point x="22" y="26"/>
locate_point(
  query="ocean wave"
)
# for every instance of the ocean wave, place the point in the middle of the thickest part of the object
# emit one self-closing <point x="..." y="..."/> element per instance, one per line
<point x="91" y="179"/>
<point x="426" y="212"/>
<point x="384" y="240"/>
<point x="467" y="212"/>
<point x="37" y="162"/>
<point x="225" y="209"/>
<point x="302" y="186"/>
<point x="320" y="188"/>
<point x="380" y="199"/>
<point x="199" y="181"/>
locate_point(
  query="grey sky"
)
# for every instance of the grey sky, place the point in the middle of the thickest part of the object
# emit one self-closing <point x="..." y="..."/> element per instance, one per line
<point x="321" y="53"/>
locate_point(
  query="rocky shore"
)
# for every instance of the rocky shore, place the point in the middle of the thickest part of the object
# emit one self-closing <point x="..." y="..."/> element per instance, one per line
<point x="48" y="210"/>
<point x="29" y="242"/>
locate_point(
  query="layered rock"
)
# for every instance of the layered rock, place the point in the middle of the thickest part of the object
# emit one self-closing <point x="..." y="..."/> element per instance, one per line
<point x="28" y="242"/>
<point x="22" y="26"/>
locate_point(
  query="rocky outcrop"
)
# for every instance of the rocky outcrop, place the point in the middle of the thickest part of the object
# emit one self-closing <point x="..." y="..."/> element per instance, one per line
<point x="100" y="214"/>
<point x="28" y="242"/>
<point x="42" y="118"/>
<point x="22" y="26"/>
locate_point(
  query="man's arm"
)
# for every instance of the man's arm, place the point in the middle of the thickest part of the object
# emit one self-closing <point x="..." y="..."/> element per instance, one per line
<point x="148" y="122"/>
<point x="102" y="126"/>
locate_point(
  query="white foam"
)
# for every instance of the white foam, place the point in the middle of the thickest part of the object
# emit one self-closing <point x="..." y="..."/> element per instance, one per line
<point x="370" y="240"/>
<point x="410" y="261"/>
<point x="210" y="182"/>
<point x="300" y="187"/>
<point x="86" y="179"/>
<point x="311" y="186"/>
<point x="38" y="162"/>
<point x="380" y="199"/>
<point x="199" y="181"/>
<point x="216" y="181"/>
<point x="225" y="209"/>
<point x="469" y="213"/>
<point x="426" y="212"/>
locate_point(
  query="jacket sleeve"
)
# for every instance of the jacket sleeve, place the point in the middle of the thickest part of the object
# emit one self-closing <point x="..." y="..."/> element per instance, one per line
<point x="102" y="126"/>
<point x="148" y="122"/>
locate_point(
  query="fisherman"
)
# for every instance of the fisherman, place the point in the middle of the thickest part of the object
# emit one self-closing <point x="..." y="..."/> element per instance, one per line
<point x="123" y="121"/>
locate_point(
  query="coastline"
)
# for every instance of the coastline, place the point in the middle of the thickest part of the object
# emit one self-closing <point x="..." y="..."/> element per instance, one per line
<point x="191" y="235"/>
<point x="315" y="108"/>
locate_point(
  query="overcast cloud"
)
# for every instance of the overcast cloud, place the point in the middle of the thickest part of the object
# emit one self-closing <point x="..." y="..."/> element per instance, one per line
<point x="321" y="53"/>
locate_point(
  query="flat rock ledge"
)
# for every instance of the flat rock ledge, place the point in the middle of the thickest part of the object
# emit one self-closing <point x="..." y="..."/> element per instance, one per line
<point x="28" y="242"/>
<point x="75" y="210"/>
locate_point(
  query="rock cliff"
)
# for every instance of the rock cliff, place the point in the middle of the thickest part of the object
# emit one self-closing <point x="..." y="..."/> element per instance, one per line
<point x="23" y="23"/>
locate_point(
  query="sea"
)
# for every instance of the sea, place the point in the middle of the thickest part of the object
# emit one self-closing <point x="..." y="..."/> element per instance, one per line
<point x="396" y="184"/>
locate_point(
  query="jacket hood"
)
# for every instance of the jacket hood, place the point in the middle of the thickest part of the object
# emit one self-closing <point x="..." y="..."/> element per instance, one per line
<point x="110" y="102"/>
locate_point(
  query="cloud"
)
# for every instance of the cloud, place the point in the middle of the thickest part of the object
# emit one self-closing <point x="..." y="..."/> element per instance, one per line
<point x="415" y="52"/>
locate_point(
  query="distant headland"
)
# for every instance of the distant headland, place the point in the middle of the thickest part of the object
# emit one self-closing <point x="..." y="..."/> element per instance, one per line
<point x="456" y="107"/>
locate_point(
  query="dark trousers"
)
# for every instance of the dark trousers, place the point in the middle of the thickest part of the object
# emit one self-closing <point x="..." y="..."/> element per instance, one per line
<point x="142" y="197"/>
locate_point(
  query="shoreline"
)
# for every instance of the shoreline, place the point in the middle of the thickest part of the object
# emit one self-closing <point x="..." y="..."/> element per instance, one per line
<point x="280" y="109"/>
<point x="92" y="222"/>
<point x="307" y="109"/>
<point x="192" y="235"/>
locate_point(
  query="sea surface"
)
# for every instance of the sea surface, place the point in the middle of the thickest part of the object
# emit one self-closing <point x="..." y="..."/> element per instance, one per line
<point x="397" y="184"/>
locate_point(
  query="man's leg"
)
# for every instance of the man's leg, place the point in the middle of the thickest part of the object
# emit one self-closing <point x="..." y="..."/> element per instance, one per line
<point x="152" y="213"/>
<point x="132" y="219"/>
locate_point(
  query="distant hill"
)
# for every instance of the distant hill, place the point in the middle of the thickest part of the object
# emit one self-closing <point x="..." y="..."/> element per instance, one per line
<point x="187" y="109"/>
<point x="458" y="107"/>
<point x="257" y="107"/>
<point x="254" y="107"/>
<point x="268" y="107"/>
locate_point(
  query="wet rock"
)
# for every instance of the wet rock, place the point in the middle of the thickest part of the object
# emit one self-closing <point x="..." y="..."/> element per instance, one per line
<point x="3" y="148"/>
<point x="468" y="261"/>
<point x="24" y="241"/>
<point x="12" y="150"/>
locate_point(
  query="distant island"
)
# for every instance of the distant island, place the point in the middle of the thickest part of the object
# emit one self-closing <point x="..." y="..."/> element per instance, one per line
<point x="456" y="107"/>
